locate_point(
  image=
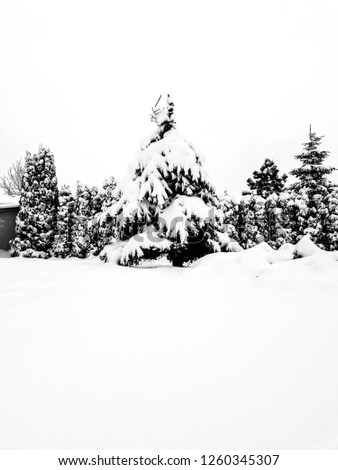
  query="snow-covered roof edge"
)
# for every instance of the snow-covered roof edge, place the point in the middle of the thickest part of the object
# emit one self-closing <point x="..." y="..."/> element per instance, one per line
<point x="8" y="206"/>
<point x="9" y="202"/>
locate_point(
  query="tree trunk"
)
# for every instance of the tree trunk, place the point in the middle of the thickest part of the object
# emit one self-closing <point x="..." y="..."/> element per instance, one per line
<point x="177" y="263"/>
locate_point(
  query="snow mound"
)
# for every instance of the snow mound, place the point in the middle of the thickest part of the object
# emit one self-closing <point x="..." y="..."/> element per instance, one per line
<point x="262" y="247"/>
<point x="254" y="261"/>
<point x="305" y="247"/>
<point x="247" y="263"/>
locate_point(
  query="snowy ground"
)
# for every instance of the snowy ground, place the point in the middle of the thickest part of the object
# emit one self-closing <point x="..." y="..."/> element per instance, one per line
<point x="235" y="352"/>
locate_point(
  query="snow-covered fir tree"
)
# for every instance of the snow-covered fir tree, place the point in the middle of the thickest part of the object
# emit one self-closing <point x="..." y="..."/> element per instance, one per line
<point x="62" y="246"/>
<point x="312" y="174"/>
<point x="167" y="205"/>
<point x="267" y="180"/>
<point x="314" y="186"/>
<point x="36" y="220"/>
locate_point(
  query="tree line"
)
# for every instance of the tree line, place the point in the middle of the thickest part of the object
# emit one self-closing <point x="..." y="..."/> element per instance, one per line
<point x="168" y="177"/>
<point x="55" y="222"/>
<point x="278" y="213"/>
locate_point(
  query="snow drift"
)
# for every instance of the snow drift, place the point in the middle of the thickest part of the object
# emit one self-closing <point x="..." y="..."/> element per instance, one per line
<point x="241" y="349"/>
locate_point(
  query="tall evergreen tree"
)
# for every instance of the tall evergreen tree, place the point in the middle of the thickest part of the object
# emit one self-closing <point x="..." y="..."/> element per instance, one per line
<point x="167" y="206"/>
<point x="313" y="185"/>
<point x="267" y="181"/>
<point x="36" y="220"/>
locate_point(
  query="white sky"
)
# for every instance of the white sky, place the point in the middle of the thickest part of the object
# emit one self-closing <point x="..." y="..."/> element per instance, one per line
<point x="247" y="78"/>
